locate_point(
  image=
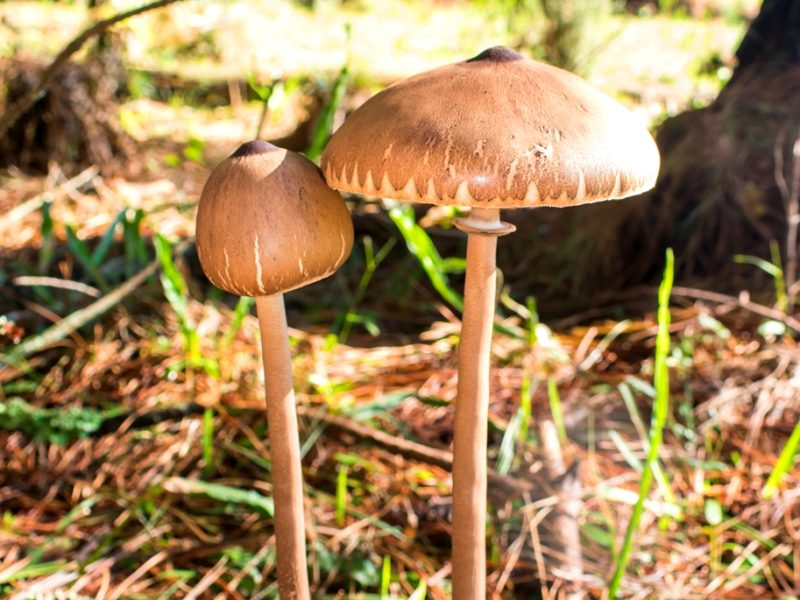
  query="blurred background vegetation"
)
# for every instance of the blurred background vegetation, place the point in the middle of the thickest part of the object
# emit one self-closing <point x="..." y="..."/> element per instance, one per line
<point x="132" y="436"/>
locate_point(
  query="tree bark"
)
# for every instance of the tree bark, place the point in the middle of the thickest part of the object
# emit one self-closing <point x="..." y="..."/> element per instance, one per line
<point x="772" y="38"/>
<point x="725" y="188"/>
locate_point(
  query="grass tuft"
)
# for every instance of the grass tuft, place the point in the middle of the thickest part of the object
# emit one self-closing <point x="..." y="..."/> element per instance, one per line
<point x="659" y="420"/>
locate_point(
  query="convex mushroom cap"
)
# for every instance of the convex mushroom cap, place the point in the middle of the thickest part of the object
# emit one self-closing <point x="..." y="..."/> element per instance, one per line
<point x="495" y="131"/>
<point x="267" y="223"/>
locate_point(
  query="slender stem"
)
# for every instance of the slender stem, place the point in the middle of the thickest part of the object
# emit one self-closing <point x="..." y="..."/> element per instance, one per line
<point x="284" y="442"/>
<point x="472" y="412"/>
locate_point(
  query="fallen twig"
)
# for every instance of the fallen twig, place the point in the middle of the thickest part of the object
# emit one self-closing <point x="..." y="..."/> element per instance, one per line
<point x="743" y="301"/>
<point x="23" y="104"/>
<point x="412" y="450"/>
<point x="55" y="282"/>
<point x="13" y="216"/>
<point x="79" y="318"/>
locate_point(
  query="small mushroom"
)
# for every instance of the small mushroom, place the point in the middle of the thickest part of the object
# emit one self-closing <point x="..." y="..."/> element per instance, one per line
<point x="267" y="223"/>
<point x="496" y="131"/>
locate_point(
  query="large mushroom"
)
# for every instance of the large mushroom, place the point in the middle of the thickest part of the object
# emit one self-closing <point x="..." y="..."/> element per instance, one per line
<point x="267" y="223"/>
<point x="496" y="131"/>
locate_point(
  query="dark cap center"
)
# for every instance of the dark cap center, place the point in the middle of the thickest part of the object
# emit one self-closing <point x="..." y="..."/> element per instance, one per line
<point x="254" y="147"/>
<point x="497" y="54"/>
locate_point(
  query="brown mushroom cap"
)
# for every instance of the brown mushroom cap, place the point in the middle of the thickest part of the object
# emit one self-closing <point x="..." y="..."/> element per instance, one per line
<point x="267" y="223"/>
<point x="495" y="131"/>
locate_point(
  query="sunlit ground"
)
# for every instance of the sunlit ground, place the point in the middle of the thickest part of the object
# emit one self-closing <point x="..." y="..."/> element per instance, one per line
<point x="124" y="508"/>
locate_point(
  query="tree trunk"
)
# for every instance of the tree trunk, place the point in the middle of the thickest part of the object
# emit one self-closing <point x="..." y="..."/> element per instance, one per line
<point x="772" y="38"/>
<point x="719" y="192"/>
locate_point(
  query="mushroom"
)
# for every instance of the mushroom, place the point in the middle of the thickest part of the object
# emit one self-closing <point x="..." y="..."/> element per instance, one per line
<point x="495" y="131"/>
<point x="267" y="223"/>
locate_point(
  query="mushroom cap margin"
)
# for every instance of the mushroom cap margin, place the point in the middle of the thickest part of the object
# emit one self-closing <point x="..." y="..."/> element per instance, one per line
<point x="268" y="223"/>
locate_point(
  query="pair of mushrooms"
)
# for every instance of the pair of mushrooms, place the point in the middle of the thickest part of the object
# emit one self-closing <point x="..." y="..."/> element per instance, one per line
<point x="496" y="131"/>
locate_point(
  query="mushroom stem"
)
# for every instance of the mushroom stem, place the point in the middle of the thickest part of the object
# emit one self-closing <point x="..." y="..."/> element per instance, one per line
<point x="284" y="443"/>
<point x="472" y="405"/>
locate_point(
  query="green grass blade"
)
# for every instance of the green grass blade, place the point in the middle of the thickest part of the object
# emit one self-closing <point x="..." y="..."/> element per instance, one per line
<point x="343" y="323"/>
<point x="341" y="495"/>
<point x="135" y="250"/>
<point x="435" y="267"/>
<point x="421" y="592"/>
<point x="262" y="90"/>
<point x="208" y="440"/>
<point x="781" y="299"/>
<point x="421" y="246"/>
<point x="100" y="252"/>
<point x="525" y="402"/>
<point x="59" y="425"/>
<point x="177" y="283"/>
<point x="350" y="459"/>
<point x="324" y="126"/>
<point x="764" y="265"/>
<point x="660" y="477"/>
<point x="78" y="247"/>
<point x="784" y="464"/>
<point x="81" y="509"/>
<point x="242" y="309"/>
<point x="555" y="409"/>
<point x="47" y="246"/>
<point x="596" y="354"/>
<point x="659" y="420"/>
<point x="81" y="252"/>
<point x="641" y="386"/>
<point x="773" y="268"/>
<point x="625" y="450"/>
<point x="386" y="577"/>
<point x="517" y="430"/>
<point x="221" y="493"/>
<point x="34" y="570"/>
<point x="380" y="406"/>
<point x="508" y="445"/>
<point x="176" y="292"/>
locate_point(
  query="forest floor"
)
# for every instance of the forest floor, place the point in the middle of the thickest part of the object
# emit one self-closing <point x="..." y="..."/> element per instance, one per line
<point x="134" y="461"/>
